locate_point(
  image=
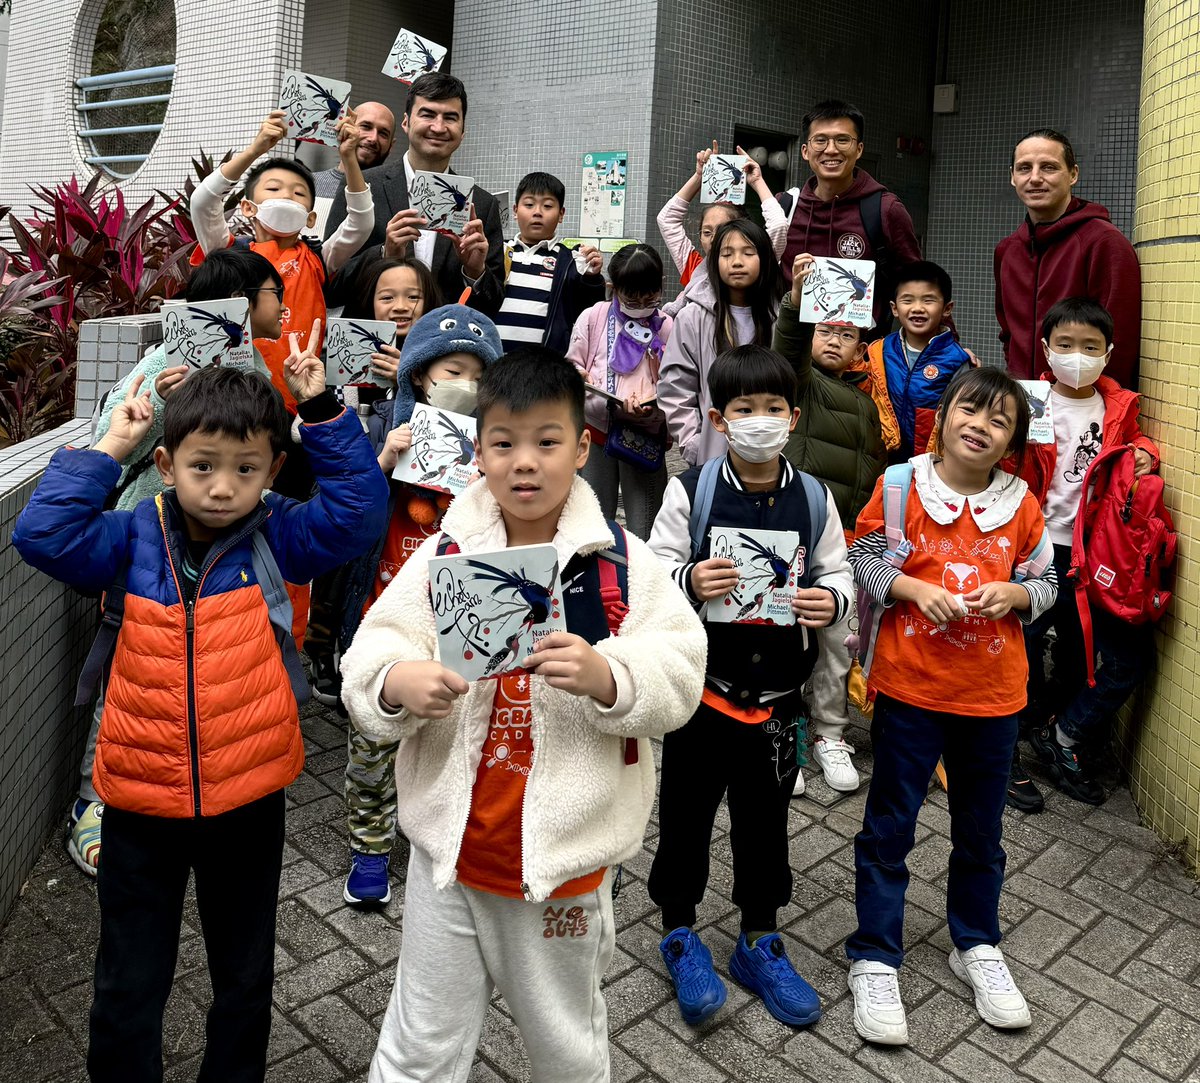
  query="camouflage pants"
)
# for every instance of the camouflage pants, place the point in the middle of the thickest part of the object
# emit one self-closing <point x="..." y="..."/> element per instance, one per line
<point x="370" y="794"/>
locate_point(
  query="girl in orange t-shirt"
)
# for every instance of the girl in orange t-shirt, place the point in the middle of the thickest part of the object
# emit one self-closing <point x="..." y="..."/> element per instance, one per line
<point x="949" y="675"/>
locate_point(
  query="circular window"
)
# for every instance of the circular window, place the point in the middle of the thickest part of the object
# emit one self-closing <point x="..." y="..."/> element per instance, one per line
<point x="122" y="99"/>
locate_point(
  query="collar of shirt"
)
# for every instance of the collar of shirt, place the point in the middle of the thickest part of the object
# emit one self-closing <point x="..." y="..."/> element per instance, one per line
<point x="547" y="243"/>
<point x="992" y="508"/>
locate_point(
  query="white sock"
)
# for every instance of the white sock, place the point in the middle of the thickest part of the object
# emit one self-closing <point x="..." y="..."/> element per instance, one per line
<point x="1063" y="740"/>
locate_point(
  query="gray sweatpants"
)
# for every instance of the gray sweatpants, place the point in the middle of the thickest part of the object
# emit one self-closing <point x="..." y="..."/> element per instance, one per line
<point x="827" y="704"/>
<point x="87" y="789"/>
<point x="459" y="944"/>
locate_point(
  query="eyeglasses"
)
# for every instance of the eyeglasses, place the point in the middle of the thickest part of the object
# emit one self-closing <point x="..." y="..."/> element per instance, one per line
<point x="842" y="142"/>
<point x="277" y="290"/>
<point x="849" y="338"/>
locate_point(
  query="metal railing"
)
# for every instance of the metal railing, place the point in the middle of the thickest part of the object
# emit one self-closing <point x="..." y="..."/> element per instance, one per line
<point x="120" y="80"/>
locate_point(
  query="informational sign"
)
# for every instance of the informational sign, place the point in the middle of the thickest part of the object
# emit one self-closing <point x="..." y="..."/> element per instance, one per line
<point x="603" y="211"/>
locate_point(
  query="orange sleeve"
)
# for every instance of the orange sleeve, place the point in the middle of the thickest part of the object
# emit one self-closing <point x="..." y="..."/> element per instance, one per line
<point x="870" y="518"/>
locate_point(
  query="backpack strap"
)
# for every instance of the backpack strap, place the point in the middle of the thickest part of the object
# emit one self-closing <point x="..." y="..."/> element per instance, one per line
<point x="447" y="546"/>
<point x="279" y="611"/>
<point x="870" y="209"/>
<point x="897" y="481"/>
<point x="99" y="657"/>
<point x="612" y="566"/>
<point x="818" y="506"/>
<point x="702" y="502"/>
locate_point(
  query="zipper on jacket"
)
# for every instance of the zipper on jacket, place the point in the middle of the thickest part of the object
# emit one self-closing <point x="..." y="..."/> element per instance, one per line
<point x="1036" y="336"/>
<point x="525" y="889"/>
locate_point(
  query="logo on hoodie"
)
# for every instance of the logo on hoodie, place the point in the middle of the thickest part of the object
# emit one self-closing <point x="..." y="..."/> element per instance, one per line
<point x="851" y="246"/>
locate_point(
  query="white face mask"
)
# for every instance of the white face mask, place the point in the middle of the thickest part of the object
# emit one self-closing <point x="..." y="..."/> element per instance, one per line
<point x="457" y="396"/>
<point x="282" y="217"/>
<point x="1077" y="369"/>
<point x="643" y="313"/>
<point x="757" y="439"/>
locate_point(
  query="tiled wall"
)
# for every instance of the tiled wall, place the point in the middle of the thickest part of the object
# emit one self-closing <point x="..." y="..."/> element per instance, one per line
<point x="108" y="350"/>
<point x="543" y="90"/>
<point x="764" y="63"/>
<point x="229" y="62"/>
<point x="44" y="634"/>
<point x="1023" y="64"/>
<point x="1161" y="735"/>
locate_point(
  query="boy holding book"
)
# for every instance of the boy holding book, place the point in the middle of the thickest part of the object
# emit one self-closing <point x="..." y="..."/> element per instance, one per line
<point x="743" y="738"/>
<point x="508" y="881"/>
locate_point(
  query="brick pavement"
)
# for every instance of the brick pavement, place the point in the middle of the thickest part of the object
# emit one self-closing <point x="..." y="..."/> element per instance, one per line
<point x="1102" y="931"/>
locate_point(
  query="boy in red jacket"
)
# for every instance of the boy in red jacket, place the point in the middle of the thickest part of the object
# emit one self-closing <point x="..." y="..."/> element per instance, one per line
<point x="1090" y="412"/>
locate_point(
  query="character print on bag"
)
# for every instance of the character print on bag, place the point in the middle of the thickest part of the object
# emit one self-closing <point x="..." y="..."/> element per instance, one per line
<point x="1088" y="449"/>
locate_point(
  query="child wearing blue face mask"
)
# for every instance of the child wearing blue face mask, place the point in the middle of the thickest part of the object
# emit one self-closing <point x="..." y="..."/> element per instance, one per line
<point x="618" y="347"/>
<point x="742" y="740"/>
<point x="1091" y="412"/>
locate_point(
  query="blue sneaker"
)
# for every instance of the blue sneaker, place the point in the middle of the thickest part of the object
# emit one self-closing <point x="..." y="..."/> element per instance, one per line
<point x="368" y="883"/>
<point x="689" y="963"/>
<point x="766" y="971"/>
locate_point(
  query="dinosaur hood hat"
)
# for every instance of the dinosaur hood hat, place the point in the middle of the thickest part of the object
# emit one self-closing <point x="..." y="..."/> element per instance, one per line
<point x="446" y="330"/>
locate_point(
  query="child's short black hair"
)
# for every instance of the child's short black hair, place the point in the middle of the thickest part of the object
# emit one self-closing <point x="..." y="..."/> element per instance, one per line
<point x="291" y="165"/>
<point x="541" y="184"/>
<point x="636" y="270"/>
<point x="360" y="303"/>
<point x="750" y="370"/>
<point x="232" y="402"/>
<point x="832" y="109"/>
<point x="528" y="377"/>
<point x="923" y="270"/>
<point x="436" y="86"/>
<point x="1079" y="310"/>
<point x="983" y="388"/>
<point x="230" y="272"/>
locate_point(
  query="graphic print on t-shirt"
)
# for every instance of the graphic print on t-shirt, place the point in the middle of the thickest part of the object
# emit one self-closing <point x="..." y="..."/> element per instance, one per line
<point x="1086" y="450"/>
<point x="508" y="745"/>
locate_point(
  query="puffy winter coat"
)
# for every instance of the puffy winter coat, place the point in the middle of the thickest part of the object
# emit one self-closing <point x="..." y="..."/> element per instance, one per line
<point x="584" y="807"/>
<point x="199" y="717"/>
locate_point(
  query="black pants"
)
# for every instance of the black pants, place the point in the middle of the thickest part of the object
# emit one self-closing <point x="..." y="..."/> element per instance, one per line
<point x="756" y="764"/>
<point x="237" y="859"/>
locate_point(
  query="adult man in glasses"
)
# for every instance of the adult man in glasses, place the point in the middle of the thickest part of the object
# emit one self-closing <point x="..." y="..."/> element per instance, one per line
<point x="842" y="211"/>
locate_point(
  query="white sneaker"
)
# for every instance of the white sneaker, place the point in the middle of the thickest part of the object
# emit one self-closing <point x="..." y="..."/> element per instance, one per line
<point x="833" y="757"/>
<point x="878" y="1010"/>
<point x="997" y="998"/>
<point x="798" y="789"/>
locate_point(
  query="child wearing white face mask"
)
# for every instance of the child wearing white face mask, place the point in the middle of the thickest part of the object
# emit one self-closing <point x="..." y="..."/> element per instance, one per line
<point x="1091" y="412"/>
<point x="742" y="740"/>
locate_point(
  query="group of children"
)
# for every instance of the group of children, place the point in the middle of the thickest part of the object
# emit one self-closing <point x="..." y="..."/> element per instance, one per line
<point x="576" y="397"/>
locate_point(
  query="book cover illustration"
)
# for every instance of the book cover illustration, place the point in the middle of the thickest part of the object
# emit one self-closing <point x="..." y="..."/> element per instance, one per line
<point x="412" y="55"/>
<point x="444" y="200"/>
<point x="203" y="333"/>
<point x="1041" y="419"/>
<point x="313" y="106"/>
<point x="724" y="179"/>
<point x="442" y="455"/>
<point x="349" y="345"/>
<point x="491" y="608"/>
<point x="770" y="564"/>
<point x="839" y="290"/>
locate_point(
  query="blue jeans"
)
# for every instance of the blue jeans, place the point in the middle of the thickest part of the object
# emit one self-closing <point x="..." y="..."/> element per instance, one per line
<point x="1124" y="657"/>
<point x="978" y="754"/>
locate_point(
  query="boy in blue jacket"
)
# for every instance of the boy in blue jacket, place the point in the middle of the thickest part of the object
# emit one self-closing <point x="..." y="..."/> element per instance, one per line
<point x="200" y="732"/>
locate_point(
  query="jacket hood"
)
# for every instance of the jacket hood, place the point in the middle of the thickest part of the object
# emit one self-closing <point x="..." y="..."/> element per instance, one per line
<point x="1079" y="213"/>
<point x="698" y="291"/>
<point x="862" y="185"/>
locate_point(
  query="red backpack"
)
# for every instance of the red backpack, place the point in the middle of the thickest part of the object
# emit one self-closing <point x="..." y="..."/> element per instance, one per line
<point x="1123" y="547"/>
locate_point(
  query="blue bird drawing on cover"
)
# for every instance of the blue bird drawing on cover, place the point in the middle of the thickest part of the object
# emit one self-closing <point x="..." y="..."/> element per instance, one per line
<point x="723" y="177"/>
<point x="311" y="103"/>
<point x="529" y="602"/>
<point x="766" y="571"/>
<point x="211" y="336"/>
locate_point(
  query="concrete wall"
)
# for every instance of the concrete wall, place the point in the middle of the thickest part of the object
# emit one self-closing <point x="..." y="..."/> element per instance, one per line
<point x="1019" y="65"/>
<point x="1161" y="736"/>
<point x="229" y="63"/>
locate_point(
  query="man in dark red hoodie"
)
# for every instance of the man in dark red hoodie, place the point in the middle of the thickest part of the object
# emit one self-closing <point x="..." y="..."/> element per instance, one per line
<point x="1066" y="247"/>
<point x="842" y="211"/>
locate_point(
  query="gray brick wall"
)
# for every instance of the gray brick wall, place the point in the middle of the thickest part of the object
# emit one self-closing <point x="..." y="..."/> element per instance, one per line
<point x="45" y="629"/>
<point x="1052" y="63"/>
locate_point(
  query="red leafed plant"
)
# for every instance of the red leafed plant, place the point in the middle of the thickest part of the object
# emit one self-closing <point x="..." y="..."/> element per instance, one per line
<point x="81" y="255"/>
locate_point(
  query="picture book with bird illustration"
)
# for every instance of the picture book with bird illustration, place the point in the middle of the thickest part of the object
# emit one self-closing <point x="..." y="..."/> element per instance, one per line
<point x="412" y="56"/>
<point x="442" y="455"/>
<point x="770" y="564"/>
<point x="349" y="345"/>
<point x="1041" y="416"/>
<point x="724" y="179"/>
<point x="313" y="105"/>
<point x="839" y="291"/>
<point x="491" y="608"/>
<point x="203" y="333"/>
<point x="443" y="199"/>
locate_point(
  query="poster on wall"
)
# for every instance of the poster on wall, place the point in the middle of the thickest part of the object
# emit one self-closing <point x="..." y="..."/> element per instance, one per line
<point x="603" y="211"/>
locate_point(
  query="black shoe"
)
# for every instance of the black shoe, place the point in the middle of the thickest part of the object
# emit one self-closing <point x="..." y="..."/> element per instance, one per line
<point x="1022" y="794"/>
<point x="1064" y="767"/>
<point x="326" y="680"/>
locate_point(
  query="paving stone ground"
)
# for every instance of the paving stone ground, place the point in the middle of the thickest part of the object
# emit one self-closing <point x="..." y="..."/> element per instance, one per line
<point x="1102" y="931"/>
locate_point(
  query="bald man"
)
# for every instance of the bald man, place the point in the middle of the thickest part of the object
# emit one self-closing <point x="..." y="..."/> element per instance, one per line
<point x="377" y="128"/>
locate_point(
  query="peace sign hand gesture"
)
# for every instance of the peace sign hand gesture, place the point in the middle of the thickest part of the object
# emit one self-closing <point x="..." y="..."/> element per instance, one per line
<point x="303" y="370"/>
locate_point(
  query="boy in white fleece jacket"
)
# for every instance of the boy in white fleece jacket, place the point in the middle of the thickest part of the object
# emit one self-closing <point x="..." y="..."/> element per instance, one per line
<point x="520" y="794"/>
